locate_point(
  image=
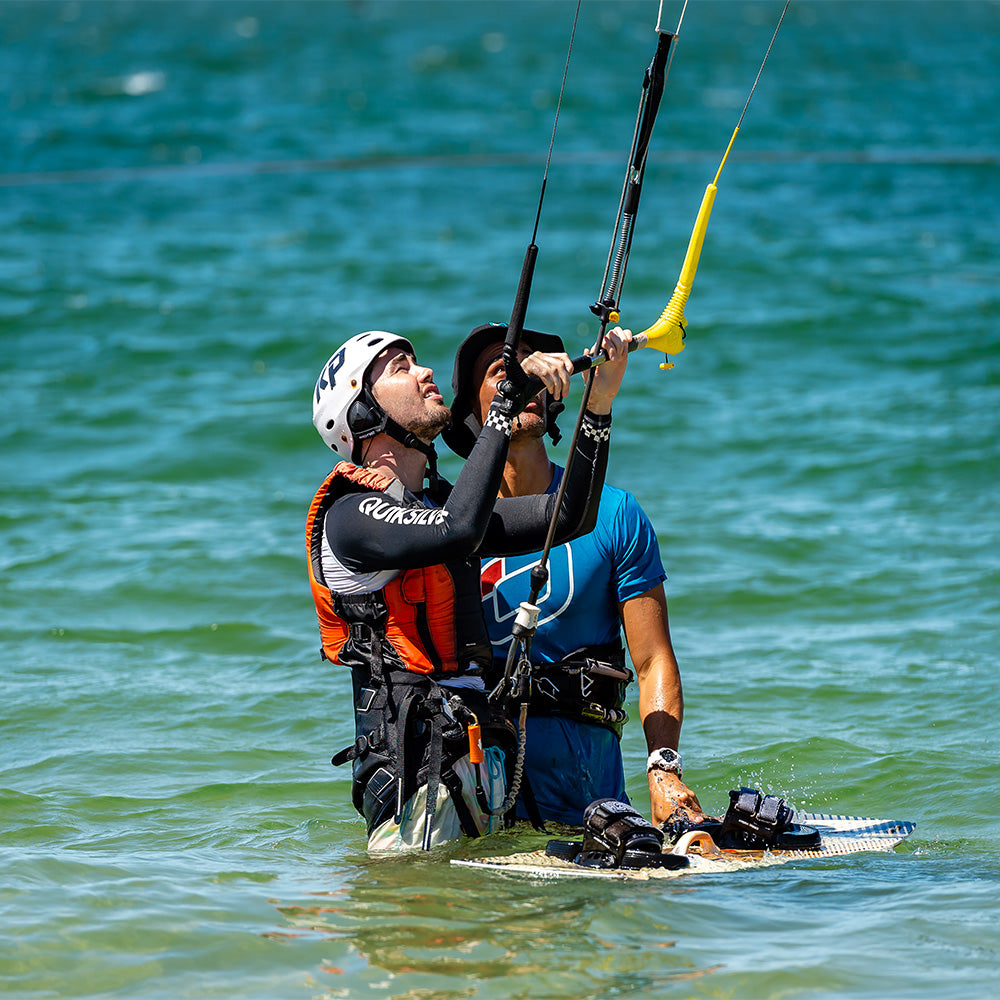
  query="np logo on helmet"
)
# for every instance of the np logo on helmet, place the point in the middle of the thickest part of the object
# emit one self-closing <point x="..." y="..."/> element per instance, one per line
<point x="328" y="377"/>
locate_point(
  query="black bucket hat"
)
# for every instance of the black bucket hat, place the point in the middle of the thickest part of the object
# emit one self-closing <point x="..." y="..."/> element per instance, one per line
<point x="461" y="433"/>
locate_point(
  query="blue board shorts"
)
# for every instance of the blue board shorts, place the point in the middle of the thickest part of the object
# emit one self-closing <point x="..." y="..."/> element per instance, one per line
<point x="569" y="764"/>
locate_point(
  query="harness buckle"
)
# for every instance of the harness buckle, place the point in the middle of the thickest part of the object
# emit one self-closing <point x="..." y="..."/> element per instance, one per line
<point x="604" y="669"/>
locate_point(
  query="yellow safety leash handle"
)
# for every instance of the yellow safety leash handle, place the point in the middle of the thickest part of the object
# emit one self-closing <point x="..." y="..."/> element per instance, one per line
<point x="667" y="333"/>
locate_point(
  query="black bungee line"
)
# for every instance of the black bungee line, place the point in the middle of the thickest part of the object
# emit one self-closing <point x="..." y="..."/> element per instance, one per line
<point x="515" y="683"/>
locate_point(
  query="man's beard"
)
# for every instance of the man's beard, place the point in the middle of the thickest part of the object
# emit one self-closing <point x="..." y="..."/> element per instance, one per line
<point x="429" y="425"/>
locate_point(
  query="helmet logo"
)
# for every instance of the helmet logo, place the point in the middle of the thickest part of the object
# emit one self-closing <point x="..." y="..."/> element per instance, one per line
<point x="328" y="377"/>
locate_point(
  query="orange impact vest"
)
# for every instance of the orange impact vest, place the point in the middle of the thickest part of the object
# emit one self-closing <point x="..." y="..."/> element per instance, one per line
<point x="419" y="603"/>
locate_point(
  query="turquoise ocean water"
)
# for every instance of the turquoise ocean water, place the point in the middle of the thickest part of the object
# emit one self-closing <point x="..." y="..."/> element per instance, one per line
<point x="200" y="200"/>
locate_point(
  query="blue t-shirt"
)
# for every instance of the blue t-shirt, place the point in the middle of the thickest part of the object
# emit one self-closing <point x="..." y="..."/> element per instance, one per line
<point x="618" y="560"/>
<point x="569" y="763"/>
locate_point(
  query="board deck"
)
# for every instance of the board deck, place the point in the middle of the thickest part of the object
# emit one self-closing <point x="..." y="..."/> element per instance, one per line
<point x="839" y="835"/>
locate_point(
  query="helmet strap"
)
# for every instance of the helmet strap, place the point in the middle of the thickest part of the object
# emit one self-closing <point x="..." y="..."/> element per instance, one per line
<point x="410" y="440"/>
<point x="553" y="407"/>
<point x="367" y="419"/>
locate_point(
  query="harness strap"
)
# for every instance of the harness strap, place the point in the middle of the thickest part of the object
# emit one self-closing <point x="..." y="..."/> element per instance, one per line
<point x="358" y="748"/>
<point x="436" y="704"/>
<point x="402" y="725"/>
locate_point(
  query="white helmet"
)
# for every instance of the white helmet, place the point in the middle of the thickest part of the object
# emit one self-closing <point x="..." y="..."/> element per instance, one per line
<point x="344" y="411"/>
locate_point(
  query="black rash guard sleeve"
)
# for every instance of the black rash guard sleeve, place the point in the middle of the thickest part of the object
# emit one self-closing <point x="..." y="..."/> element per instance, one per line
<point x="520" y="524"/>
<point x="372" y="531"/>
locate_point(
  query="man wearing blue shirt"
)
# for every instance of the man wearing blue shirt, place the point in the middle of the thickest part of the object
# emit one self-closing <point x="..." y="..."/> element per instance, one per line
<point x="599" y="585"/>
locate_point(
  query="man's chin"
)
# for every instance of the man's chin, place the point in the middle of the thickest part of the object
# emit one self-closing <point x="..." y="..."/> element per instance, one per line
<point x="432" y="424"/>
<point x="527" y="427"/>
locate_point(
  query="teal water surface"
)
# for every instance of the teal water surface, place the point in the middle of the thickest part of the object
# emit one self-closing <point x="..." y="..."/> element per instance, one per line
<point x="200" y="200"/>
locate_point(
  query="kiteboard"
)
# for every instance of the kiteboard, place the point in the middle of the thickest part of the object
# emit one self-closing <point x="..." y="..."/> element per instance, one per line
<point x="839" y="835"/>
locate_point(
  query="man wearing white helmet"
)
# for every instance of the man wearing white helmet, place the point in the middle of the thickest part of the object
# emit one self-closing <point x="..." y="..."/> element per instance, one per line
<point x="394" y="571"/>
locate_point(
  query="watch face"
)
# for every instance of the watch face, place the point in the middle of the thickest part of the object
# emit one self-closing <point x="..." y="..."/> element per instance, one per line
<point x="667" y="760"/>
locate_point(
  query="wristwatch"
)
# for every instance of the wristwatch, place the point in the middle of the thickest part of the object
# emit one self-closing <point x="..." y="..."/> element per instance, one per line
<point x="665" y="759"/>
